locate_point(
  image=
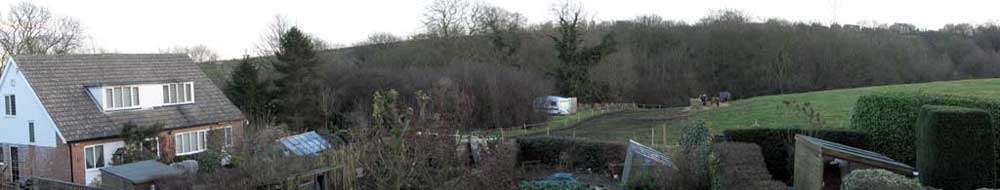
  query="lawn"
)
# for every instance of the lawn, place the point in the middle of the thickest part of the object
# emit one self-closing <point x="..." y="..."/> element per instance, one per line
<point x="834" y="106"/>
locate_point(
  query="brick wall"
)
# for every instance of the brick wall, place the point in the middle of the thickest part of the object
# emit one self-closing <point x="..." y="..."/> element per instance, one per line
<point x="79" y="166"/>
<point x="166" y="146"/>
<point x="45" y="162"/>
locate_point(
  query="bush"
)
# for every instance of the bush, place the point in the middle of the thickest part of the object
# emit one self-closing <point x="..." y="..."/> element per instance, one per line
<point x="208" y="160"/>
<point x="553" y="185"/>
<point x="950" y="144"/>
<point x="741" y="166"/>
<point x="889" y="119"/>
<point x="878" y="179"/>
<point x="583" y="154"/>
<point x="777" y="145"/>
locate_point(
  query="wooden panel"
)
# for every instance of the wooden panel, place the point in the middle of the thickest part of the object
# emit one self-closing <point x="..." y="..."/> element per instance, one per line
<point x="808" y="165"/>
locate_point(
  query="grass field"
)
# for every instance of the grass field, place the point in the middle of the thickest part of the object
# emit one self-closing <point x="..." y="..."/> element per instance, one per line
<point x="834" y="106"/>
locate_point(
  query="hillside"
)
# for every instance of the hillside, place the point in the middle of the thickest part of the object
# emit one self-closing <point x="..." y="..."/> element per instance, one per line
<point x="834" y="106"/>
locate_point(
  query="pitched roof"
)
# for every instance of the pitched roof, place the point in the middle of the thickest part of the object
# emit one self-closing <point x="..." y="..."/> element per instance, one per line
<point x="857" y="155"/>
<point x="60" y="82"/>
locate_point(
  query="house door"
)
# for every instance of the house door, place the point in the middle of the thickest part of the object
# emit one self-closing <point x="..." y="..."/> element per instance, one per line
<point x="15" y="170"/>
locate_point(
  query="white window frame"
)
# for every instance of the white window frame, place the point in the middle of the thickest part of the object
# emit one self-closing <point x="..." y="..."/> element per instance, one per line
<point x="171" y="94"/>
<point x="157" y="145"/>
<point x="185" y="139"/>
<point x="10" y="106"/>
<point x="227" y="136"/>
<point x="134" y="99"/>
<point x="92" y="149"/>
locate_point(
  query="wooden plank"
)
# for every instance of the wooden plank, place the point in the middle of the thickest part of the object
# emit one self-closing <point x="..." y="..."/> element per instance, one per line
<point x="808" y="164"/>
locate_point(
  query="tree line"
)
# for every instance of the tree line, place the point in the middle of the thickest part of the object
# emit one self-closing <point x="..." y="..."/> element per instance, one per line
<point x="657" y="61"/>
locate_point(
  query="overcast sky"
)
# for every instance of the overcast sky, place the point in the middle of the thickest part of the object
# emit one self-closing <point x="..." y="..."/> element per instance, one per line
<point x="232" y="27"/>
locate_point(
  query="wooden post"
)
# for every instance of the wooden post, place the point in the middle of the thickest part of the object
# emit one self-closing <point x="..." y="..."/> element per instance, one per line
<point x="652" y="136"/>
<point x="664" y="134"/>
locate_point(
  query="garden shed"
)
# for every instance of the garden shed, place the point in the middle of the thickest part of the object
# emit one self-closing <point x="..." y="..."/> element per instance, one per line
<point x="821" y="164"/>
<point x="137" y="175"/>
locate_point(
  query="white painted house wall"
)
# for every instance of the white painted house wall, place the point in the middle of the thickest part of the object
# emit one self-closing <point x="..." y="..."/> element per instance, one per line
<point x="14" y="129"/>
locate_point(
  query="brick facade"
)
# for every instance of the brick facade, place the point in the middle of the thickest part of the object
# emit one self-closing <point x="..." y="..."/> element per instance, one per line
<point x="66" y="161"/>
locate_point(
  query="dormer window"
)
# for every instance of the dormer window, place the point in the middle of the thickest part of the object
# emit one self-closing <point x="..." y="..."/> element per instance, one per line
<point x="121" y="97"/>
<point x="178" y="93"/>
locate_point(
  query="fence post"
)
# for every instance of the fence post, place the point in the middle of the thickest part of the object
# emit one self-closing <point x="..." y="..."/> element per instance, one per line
<point x="652" y="136"/>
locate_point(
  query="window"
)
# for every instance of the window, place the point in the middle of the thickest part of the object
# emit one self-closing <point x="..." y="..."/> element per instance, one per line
<point x="178" y="93"/>
<point x="31" y="131"/>
<point x="9" y="105"/>
<point x="152" y="144"/>
<point x="189" y="142"/>
<point x="94" y="156"/>
<point x="227" y="135"/>
<point x="121" y="97"/>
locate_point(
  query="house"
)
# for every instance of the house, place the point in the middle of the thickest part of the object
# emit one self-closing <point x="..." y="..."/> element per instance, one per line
<point x="63" y="114"/>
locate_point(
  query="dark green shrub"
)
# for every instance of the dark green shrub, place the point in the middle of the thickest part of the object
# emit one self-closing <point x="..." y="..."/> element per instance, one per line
<point x="741" y="166"/>
<point x="583" y="154"/>
<point x="950" y="144"/>
<point x="777" y="144"/>
<point x="889" y="119"/>
<point x="553" y="185"/>
<point x="645" y="182"/>
<point x="878" y="179"/>
<point x="208" y="161"/>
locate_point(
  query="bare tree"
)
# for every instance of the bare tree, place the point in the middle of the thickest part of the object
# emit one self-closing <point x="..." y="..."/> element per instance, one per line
<point x="446" y="18"/>
<point x="270" y="41"/>
<point x="32" y="29"/>
<point x="198" y="53"/>
<point x="500" y="27"/>
<point x="380" y="40"/>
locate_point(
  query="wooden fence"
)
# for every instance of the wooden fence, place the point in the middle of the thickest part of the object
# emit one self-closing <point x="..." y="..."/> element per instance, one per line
<point x="40" y="183"/>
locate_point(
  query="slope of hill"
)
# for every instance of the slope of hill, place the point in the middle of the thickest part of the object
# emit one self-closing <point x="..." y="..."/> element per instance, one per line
<point x="834" y="106"/>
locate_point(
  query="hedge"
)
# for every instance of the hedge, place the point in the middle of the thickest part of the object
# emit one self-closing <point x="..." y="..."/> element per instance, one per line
<point x="878" y="179"/>
<point x="581" y="154"/>
<point x="950" y="141"/>
<point x="777" y="145"/>
<point x="889" y="119"/>
<point x="741" y="166"/>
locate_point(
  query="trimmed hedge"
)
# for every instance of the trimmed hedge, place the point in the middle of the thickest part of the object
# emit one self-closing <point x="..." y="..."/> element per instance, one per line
<point x="950" y="144"/>
<point x="889" y="119"/>
<point x="777" y="145"/>
<point x="582" y="154"/>
<point x="741" y="166"/>
<point x="878" y="179"/>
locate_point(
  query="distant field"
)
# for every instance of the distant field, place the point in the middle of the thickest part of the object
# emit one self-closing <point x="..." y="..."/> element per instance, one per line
<point x="835" y="107"/>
